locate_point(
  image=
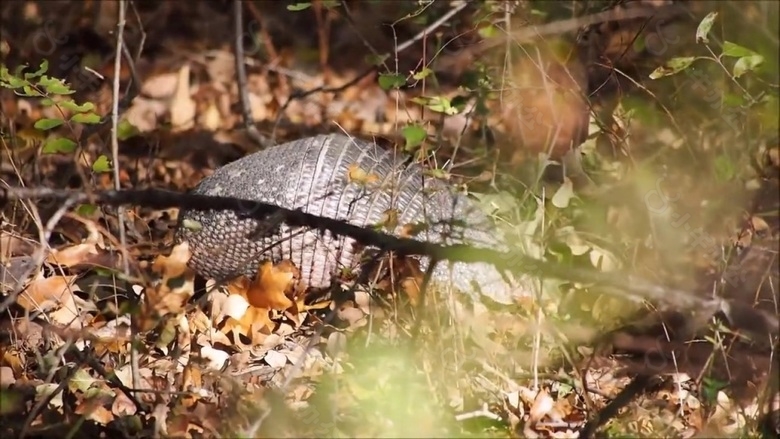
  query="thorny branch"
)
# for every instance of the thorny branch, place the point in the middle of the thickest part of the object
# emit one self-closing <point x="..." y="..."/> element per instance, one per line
<point x="630" y="286"/>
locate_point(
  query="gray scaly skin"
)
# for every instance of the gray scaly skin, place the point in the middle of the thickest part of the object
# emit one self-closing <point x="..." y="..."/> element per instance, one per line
<point x="312" y="174"/>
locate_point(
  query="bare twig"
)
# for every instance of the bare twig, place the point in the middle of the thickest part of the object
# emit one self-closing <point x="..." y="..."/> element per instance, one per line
<point x="530" y="33"/>
<point x="400" y="48"/>
<point x="636" y="387"/>
<point x="238" y="49"/>
<point x="273" y="54"/>
<point x="121" y="50"/>
<point x="115" y="124"/>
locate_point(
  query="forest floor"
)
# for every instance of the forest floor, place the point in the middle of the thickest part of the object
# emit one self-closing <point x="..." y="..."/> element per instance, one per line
<point x="680" y="192"/>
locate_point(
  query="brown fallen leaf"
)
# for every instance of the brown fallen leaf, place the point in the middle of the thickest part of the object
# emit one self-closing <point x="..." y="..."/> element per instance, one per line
<point x="94" y="408"/>
<point x="47" y="293"/>
<point x="255" y="324"/>
<point x="72" y="255"/>
<point x="174" y="265"/>
<point x="123" y="405"/>
<point x="269" y="288"/>
<point x="164" y="296"/>
<point x="236" y="319"/>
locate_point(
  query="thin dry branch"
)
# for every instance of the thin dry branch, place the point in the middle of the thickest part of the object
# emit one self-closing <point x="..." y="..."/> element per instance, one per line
<point x="636" y="387"/>
<point x="238" y="49"/>
<point x="629" y="286"/>
<point x="401" y="47"/>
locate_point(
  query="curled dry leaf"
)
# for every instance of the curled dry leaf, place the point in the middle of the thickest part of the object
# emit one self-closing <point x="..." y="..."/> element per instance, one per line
<point x="363" y="301"/>
<point x="411" y="278"/>
<point x="182" y="107"/>
<point x="254" y="324"/>
<point x="160" y="86"/>
<point x="759" y="224"/>
<point x="234" y="306"/>
<point x="210" y="119"/>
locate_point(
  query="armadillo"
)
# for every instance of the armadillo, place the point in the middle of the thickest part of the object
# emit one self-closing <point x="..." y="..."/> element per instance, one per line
<point x="345" y="178"/>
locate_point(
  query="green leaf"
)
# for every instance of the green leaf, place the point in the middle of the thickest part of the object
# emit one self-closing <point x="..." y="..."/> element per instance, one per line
<point x="391" y="80"/>
<point x="41" y="70"/>
<point x="54" y="86"/>
<point x="192" y="225"/>
<point x="673" y="66"/>
<point x="711" y="387"/>
<point x="724" y="168"/>
<point x="126" y="130"/>
<point x="299" y="6"/>
<point x="377" y="60"/>
<point x="87" y="118"/>
<point x="459" y="102"/>
<point x="71" y="105"/>
<point x="414" y="136"/>
<point x="733" y="100"/>
<point x="704" y="27"/>
<point x="422" y="74"/>
<point x="735" y="50"/>
<point x="640" y="44"/>
<point x="59" y="145"/>
<point x="747" y="64"/>
<point x="488" y="31"/>
<point x="9" y="80"/>
<point x="47" y="124"/>
<point x="438" y="104"/>
<point x="440" y="174"/>
<point x="86" y="209"/>
<point x="101" y="165"/>
<point x="28" y="90"/>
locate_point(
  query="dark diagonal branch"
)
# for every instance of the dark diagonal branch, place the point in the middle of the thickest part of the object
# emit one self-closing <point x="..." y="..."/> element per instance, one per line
<point x="514" y="261"/>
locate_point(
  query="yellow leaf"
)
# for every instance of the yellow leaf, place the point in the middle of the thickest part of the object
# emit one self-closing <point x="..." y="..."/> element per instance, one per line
<point x="359" y="176"/>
